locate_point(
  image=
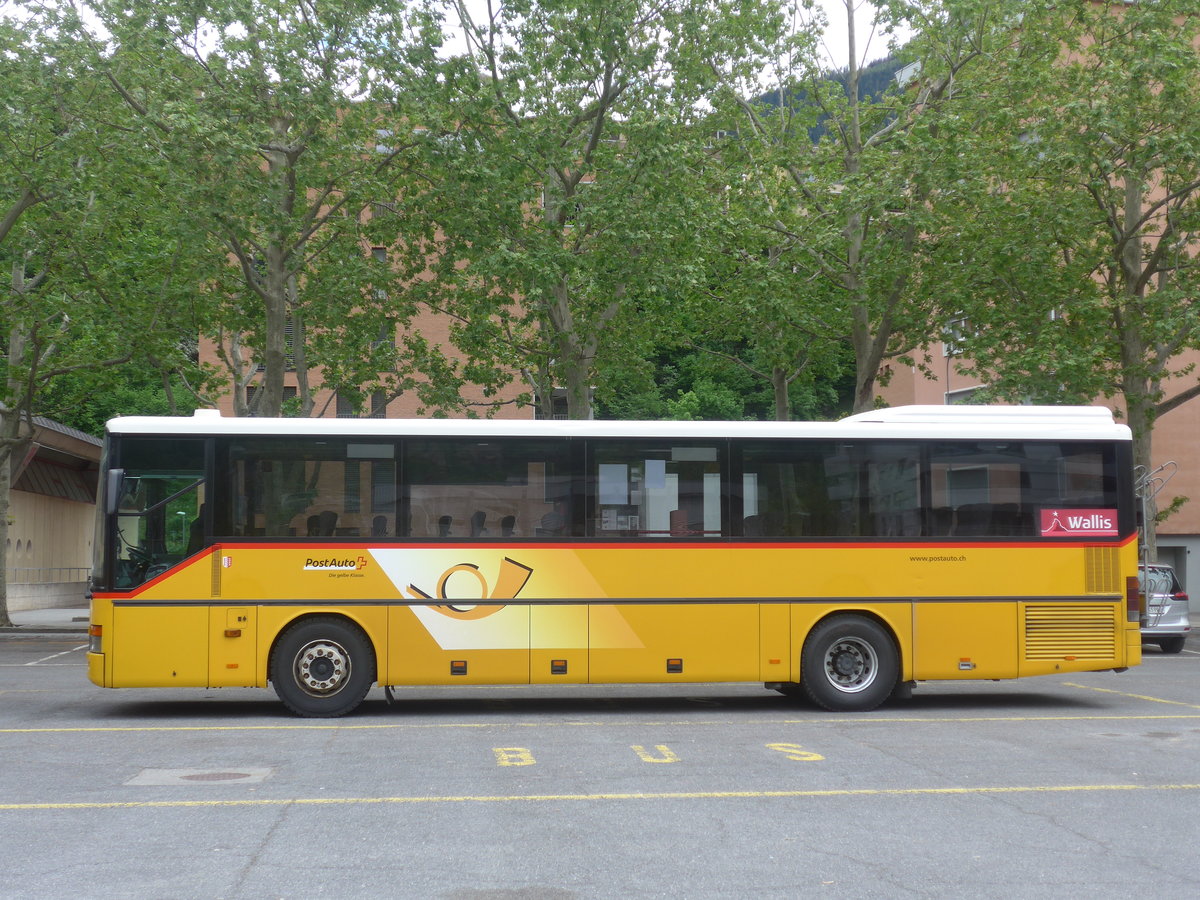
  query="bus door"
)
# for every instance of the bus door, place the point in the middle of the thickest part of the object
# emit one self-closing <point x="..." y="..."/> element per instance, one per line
<point x="679" y="613"/>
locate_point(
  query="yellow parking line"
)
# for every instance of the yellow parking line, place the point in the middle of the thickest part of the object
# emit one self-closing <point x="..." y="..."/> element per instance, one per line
<point x="542" y="798"/>
<point x="1133" y="696"/>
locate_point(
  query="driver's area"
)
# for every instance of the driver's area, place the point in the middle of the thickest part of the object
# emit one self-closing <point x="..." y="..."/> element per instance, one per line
<point x="156" y="508"/>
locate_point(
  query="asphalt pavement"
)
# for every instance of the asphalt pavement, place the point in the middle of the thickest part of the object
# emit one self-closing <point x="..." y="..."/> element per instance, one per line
<point x="1082" y="785"/>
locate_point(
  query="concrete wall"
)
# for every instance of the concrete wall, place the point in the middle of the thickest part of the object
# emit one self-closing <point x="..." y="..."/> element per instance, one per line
<point x="49" y="551"/>
<point x="54" y="595"/>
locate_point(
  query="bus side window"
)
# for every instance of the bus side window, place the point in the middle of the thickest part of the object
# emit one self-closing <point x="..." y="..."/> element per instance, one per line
<point x="464" y="488"/>
<point x="656" y="488"/>
<point x="285" y="487"/>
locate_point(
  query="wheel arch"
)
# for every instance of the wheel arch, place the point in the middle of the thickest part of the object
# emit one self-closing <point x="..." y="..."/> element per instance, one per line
<point x="892" y="625"/>
<point x="850" y="660"/>
<point x="374" y="635"/>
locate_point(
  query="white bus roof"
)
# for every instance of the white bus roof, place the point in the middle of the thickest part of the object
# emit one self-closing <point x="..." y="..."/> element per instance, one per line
<point x="912" y="422"/>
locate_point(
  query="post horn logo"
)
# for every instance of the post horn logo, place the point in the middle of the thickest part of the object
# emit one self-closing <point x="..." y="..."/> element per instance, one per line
<point x="509" y="582"/>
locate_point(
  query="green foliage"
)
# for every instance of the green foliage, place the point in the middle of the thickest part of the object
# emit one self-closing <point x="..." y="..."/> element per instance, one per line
<point x="94" y="271"/>
<point x="827" y="188"/>
<point x="708" y="382"/>
<point x="267" y="114"/>
<point x="1066" y="240"/>
<point x="569" y="159"/>
<point x="88" y="401"/>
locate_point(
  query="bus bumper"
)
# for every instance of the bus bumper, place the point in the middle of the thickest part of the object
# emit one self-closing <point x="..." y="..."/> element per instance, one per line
<point x="95" y="666"/>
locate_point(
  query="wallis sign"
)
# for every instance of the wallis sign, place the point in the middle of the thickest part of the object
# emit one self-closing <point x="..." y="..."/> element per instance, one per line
<point x="1069" y="523"/>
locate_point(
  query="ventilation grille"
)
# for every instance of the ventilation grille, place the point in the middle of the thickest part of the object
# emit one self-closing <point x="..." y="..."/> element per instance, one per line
<point x="216" y="571"/>
<point x="1080" y="630"/>
<point x="1102" y="573"/>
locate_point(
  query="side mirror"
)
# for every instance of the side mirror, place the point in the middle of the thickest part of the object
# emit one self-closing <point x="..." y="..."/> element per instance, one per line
<point x="112" y="490"/>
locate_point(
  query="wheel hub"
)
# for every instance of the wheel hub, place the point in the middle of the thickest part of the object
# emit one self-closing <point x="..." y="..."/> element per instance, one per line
<point x="322" y="668"/>
<point x="850" y="665"/>
<point x="846" y="664"/>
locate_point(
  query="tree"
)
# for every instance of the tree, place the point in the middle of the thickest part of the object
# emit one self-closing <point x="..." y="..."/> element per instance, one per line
<point x="84" y="401"/>
<point x="713" y="378"/>
<point x="563" y="183"/>
<point x="266" y="115"/>
<point x="772" y="324"/>
<point x="839" y="187"/>
<point x="81" y="231"/>
<point x="1083" y="282"/>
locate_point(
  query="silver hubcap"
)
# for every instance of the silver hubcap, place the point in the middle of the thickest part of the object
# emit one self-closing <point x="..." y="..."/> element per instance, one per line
<point x="851" y="665"/>
<point x="322" y="668"/>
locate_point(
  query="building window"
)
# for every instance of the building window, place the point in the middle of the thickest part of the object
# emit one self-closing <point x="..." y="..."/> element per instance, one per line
<point x="289" y="347"/>
<point x="956" y="332"/>
<point x="558" y="404"/>
<point x="378" y="405"/>
<point x="289" y="393"/>
<point x="387" y="335"/>
<point x="961" y="395"/>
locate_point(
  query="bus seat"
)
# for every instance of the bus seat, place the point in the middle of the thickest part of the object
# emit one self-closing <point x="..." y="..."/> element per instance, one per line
<point x="1006" y="519"/>
<point x="941" y="520"/>
<point x="478" y="523"/>
<point x="973" y="519"/>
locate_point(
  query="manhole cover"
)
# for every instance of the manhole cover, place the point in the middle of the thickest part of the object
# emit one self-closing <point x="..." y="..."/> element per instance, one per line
<point x="200" y="776"/>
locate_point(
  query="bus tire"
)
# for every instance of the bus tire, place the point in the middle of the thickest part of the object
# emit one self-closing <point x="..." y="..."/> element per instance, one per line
<point x="849" y="664"/>
<point x="322" y="667"/>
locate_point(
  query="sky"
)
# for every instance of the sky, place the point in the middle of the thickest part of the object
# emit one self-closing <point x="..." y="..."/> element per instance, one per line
<point x="872" y="44"/>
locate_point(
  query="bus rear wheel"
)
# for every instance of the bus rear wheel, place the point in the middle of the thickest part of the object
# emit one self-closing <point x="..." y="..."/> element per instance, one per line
<point x="849" y="664"/>
<point x="322" y="667"/>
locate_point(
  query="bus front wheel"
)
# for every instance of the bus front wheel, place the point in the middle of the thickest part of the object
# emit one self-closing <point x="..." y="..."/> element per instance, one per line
<point x="322" y="667"/>
<point x="849" y="664"/>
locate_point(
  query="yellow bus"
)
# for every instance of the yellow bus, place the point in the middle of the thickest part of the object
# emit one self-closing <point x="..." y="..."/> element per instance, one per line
<point x="839" y="561"/>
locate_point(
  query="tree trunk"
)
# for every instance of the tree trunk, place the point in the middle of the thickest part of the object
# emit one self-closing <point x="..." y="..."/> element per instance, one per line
<point x="1139" y="411"/>
<point x="12" y="446"/>
<point x="10" y="431"/>
<point x="300" y="356"/>
<point x="275" y="349"/>
<point x="5" y="499"/>
<point x="779" y="387"/>
<point x="1140" y="393"/>
<point x="575" y="354"/>
<point x="576" y="375"/>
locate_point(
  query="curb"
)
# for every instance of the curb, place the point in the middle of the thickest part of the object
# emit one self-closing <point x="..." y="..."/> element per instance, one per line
<point x="44" y="629"/>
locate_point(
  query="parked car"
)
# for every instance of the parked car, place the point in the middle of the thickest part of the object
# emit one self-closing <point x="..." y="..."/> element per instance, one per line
<point x="1167" y="620"/>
